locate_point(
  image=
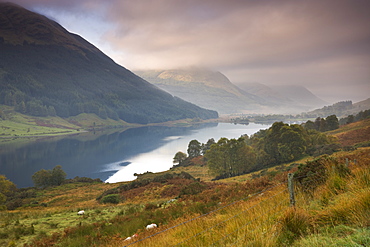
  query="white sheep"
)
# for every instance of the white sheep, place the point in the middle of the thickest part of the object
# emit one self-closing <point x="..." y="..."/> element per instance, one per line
<point x="151" y="226"/>
<point x="129" y="238"/>
<point x="81" y="212"/>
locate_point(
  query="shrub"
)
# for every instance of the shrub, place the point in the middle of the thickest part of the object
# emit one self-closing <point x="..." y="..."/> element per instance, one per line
<point x="108" y="192"/>
<point x="193" y="189"/>
<point x="13" y="204"/>
<point x="112" y="198"/>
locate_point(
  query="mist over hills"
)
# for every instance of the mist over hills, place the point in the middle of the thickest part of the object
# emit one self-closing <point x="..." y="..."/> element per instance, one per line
<point x="206" y="88"/>
<point x="341" y="109"/>
<point x="213" y="90"/>
<point x="299" y="94"/>
<point x="45" y="70"/>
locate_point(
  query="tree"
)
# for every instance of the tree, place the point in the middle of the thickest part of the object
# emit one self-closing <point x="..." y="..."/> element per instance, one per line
<point x="322" y="127"/>
<point x="332" y="122"/>
<point x="317" y="123"/>
<point x="41" y="178"/>
<point x="21" y="107"/>
<point x="207" y="146"/>
<point x="6" y="188"/>
<point x="179" y="158"/>
<point x="350" y="119"/>
<point x="57" y="176"/>
<point x="309" y="125"/>
<point x="284" y="143"/>
<point x="229" y="158"/>
<point x="51" y="111"/>
<point x="45" y="178"/>
<point x="194" y="148"/>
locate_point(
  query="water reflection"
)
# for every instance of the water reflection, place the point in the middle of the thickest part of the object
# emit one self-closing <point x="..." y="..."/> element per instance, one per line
<point x="110" y="156"/>
<point x="161" y="158"/>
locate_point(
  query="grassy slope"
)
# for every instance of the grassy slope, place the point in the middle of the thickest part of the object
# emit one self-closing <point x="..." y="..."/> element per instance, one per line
<point x="354" y="133"/>
<point x="19" y="125"/>
<point x="332" y="217"/>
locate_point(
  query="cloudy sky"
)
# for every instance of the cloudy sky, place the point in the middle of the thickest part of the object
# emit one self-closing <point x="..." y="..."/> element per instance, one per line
<point x="323" y="45"/>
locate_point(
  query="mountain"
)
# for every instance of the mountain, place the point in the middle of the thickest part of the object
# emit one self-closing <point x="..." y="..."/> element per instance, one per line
<point x="206" y="88"/>
<point x="213" y="90"/>
<point x="286" y="99"/>
<point x="266" y="93"/>
<point x="45" y="70"/>
<point x="300" y="95"/>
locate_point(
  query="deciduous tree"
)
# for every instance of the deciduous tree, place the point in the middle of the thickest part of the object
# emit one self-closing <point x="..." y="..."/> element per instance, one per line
<point x="194" y="148"/>
<point x="6" y="188"/>
<point x="179" y="157"/>
<point x="332" y="122"/>
<point x="45" y="178"/>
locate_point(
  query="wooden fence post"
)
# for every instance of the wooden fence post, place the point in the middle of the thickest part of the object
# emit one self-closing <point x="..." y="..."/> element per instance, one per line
<point x="291" y="189"/>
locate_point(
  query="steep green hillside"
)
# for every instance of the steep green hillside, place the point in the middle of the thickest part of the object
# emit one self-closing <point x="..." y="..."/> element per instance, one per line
<point x="47" y="71"/>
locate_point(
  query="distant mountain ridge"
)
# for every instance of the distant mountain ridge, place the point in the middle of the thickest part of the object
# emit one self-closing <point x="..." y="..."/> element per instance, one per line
<point x="45" y="70"/>
<point x="213" y="90"/>
<point x="341" y="109"/>
<point x="299" y="94"/>
<point x="203" y="87"/>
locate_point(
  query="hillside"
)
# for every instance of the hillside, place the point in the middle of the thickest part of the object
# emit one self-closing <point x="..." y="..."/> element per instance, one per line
<point x="47" y="71"/>
<point x="206" y="88"/>
<point x="341" y="109"/>
<point x="357" y="133"/>
<point x="331" y="207"/>
<point x="284" y="99"/>
<point x="299" y="94"/>
<point x="265" y="92"/>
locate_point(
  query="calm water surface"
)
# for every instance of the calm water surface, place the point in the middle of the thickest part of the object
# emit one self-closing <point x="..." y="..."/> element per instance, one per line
<point x="112" y="157"/>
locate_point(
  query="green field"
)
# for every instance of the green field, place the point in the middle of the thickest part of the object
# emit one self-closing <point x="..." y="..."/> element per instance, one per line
<point x="16" y="126"/>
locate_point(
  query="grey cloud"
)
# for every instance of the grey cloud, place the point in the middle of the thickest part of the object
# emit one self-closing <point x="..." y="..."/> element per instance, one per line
<point x="316" y="42"/>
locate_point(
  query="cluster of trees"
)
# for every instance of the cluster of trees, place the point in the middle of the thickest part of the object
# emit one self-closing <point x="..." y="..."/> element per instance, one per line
<point x="195" y="148"/>
<point x="228" y="158"/>
<point x="12" y="197"/>
<point x="53" y="107"/>
<point x="45" y="178"/>
<point x="354" y="118"/>
<point x="322" y="124"/>
<point x="279" y="144"/>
